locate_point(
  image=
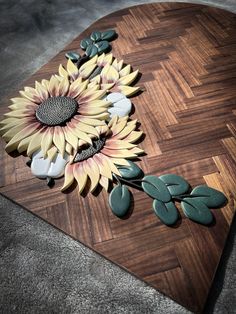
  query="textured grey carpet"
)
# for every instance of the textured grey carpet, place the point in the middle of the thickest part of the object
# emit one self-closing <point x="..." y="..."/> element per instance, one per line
<point x="41" y="269"/>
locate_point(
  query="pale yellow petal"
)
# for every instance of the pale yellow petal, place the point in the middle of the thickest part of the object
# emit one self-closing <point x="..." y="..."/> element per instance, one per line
<point x="72" y="69"/>
<point x="103" y="165"/>
<point x="89" y="121"/>
<point x="134" y="136"/>
<point x="111" y="165"/>
<point x="88" y="70"/>
<point x="80" y="176"/>
<point x="118" y="144"/>
<point x="104" y="182"/>
<point x="69" y="177"/>
<point x="87" y="129"/>
<point x="63" y="87"/>
<point x="21" y="113"/>
<point x="41" y="90"/>
<point x="125" y="71"/>
<point x="128" y="79"/>
<point x="71" y="138"/>
<point x="109" y="74"/>
<point x="119" y="161"/>
<point x="88" y="63"/>
<point x="47" y="140"/>
<point x="69" y="149"/>
<point x="127" y="90"/>
<point x="53" y="86"/>
<point x="23" y="145"/>
<point x="91" y="168"/>
<point x="62" y="71"/>
<point x="59" y="139"/>
<point x="7" y="136"/>
<point x="76" y="88"/>
<point x="52" y="152"/>
<point x="35" y="143"/>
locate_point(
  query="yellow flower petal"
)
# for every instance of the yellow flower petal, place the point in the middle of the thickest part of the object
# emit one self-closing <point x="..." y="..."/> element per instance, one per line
<point x="76" y="88"/>
<point x="88" y="96"/>
<point x="134" y="136"/>
<point x="80" y="135"/>
<point x="117" y="128"/>
<point x="127" y="130"/>
<point x="80" y="176"/>
<point x="109" y="74"/>
<point x="125" y="153"/>
<point x="71" y="138"/>
<point x="118" y="144"/>
<point x="119" y="161"/>
<point x="93" y="122"/>
<point x="52" y="152"/>
<point x="103" y="165"/>
<point x="53" y="86"/>
<point x="125" y="71"/>
<point x="62" y="71"/>
<point x="104" y="182"/>
<point x="59" y="139"/>
<point x="23" y="145"/>
<point x="113" y="121"/>
<point x="35" y="143"/>
<point x="88" y="70"/>
<point x="63" y="87"/>
<point x="128" y="79"/>
<point x="41" y="90"/>
<point x="27" y="131"/>
<point x="88" y="63"/>
<point x="69" y="149"/>
<point x="69" y="177"/>
<point x="13" y="131"/>
<point x="47" y="140"/>
<point x="72" y="69"/>
<point x="111" y="165"/>
<point x="84" y="110"/>
<point x="91" y="168"/>
<point x="87" y="128"/>
<point x="21" y="113"/>
<point x="127" y="90"/>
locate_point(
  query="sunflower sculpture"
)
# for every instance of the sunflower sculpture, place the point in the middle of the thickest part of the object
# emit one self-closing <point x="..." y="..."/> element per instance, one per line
<point x="55" y="116"/>
<point x="98" y="162"/>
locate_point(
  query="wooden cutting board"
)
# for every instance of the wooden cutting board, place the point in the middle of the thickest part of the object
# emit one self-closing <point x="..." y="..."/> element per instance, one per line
<point x="187" y="56"/>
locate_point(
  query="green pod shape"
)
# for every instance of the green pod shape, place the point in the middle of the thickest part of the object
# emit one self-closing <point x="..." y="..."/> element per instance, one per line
<point x="73" y="56"/>
<point x="166" y="212"/>
<point x="91" y="51"/>
<point x="130" y="172"/>
<point x="95" y="36"/>
<point x="119" y="200"/>
<point x="102" y="46"/>
<point x="175" y="184"/>
<point x="197" y="211"/>
<point x="156" y="188"/>
<point x="108" y="35"/>
<point x="85" y="43"/>
<point x="209" y="196"/>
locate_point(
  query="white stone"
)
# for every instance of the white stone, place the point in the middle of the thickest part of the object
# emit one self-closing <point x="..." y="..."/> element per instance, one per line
<point x="114" y="97"/>
<point x="43" y="168"/>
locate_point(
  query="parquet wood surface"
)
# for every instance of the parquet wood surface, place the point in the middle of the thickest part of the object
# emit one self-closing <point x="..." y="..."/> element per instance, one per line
<point x="187" y="56"/>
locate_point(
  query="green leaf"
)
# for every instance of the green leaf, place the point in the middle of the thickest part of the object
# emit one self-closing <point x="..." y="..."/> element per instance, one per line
<point x="102" y="46"/>
<point x="209" y="196"/>
<point x="175" y="184"/>
<point x="119" y="200"/>
<point x="73" y="56"/>
<point x="196" y="210"/>
<point x="91" y="51"/>
<point x="108" y="35"/>
<point x="156" y="188"/>
<point x="95" y="36"/>
<point x="85" y="43"/>
<point x="130" y="172"/>
<point x="166" y="212"/>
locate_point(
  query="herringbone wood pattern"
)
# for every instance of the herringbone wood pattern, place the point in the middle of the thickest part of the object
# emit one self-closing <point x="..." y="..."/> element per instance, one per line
<point x="187" y="57"/>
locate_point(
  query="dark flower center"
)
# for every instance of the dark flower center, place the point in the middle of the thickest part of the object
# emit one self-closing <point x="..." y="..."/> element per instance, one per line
<point x="56" y="110"/>
<point x="91" y="150"/>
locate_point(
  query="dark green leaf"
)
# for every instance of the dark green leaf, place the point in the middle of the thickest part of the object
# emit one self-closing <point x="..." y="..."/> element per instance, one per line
<point x="156" y="188"/>
<point x="102" y="46"/>
<point x="108" y="35"/>
<point x="166" y="212"/>
<point x="91" y="51"/>
<point x="85" y="43"/>
<point x="130" y="172"/>
<point x="175" y="184"/>
<point x="119" y="200"/>
<point x="196" y="210"/>
<point x="95" y="36"/>
<point x="73" y="56"/>
<point x="209" y="196"/>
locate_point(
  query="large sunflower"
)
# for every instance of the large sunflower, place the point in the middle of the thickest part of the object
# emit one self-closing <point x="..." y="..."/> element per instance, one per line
<point x="56" y="115"/>
<point x="96" y="163"/>
<point x="105" y="71"/>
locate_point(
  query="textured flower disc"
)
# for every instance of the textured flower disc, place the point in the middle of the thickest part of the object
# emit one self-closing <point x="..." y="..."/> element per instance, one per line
<point x="91" y="150"/>
<point x="56" y="110"/>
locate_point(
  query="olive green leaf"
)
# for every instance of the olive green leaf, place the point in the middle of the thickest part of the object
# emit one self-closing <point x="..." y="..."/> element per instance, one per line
<point x="156" y="188"/>
<point x="209" y="196"/>
<point x="119" y="200"/>
<point x="73" y="56"/>
<point x="95" y="36"/>
<point x="108" y="35"/>
<point x="130" y="172"/>
<point x="175" y="184"/>
<point x="102" y="46"/>
<point x="166" y="212"/>
<point x="85" y="43"/>
<point x="196" y="210"/>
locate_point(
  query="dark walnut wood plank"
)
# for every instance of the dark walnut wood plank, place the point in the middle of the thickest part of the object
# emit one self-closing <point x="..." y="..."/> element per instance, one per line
<point x="186" y="54"/>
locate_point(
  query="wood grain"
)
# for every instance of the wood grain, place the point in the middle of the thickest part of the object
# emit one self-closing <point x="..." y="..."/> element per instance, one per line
<point x="187" y="56"/>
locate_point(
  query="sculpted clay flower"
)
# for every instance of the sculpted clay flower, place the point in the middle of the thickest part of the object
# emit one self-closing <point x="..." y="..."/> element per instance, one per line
<point x="56" y="116"/>
<point x="96" y="163"/>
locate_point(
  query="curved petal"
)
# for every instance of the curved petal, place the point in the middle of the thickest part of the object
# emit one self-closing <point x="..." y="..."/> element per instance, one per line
<point x="104" y="182"/>
<point x="76" y="88"/>
<point x="62" y="71"/>
<point x="69" y="177"/>
<point x="80" y="176"/>
<point x="47" y="140"/>
<point x="91" y="168"/>
<point x="63" y="87"/>
<point x="72" y="69"/>
<point x="59" y="139"/>
<point x="103" y="165"/>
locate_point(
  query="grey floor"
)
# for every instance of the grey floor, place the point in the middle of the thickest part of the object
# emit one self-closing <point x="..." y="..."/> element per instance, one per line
<point x="41" y="269"/>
